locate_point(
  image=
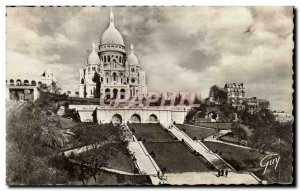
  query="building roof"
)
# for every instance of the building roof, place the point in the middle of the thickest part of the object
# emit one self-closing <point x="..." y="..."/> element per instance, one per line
<point x="132" y="59"/>
<point x="93" y="57"/>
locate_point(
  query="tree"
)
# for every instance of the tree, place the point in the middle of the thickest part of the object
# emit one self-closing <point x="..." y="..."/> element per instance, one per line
<point x="238" y="131"/>
<point x="28" y="157"/>
<point x="84" y="91"/>
<point x="219" y="95"/>
<point x="96" y="79"/>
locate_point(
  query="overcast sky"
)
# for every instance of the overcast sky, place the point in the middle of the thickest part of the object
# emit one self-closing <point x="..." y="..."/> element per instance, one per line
<point x="181" y="48"/>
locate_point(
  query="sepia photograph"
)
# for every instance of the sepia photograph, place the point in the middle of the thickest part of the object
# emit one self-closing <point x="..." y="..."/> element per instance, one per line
<point x="149" y="96"/>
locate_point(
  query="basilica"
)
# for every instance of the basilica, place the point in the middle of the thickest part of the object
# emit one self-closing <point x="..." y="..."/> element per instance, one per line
<point x="118" y="70"/>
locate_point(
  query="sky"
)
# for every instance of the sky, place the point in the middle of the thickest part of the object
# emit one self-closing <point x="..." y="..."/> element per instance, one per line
<point x="180" y="48"/>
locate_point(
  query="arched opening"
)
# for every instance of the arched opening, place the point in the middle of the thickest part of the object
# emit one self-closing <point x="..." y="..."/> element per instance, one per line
<point x="115" y="93"/>
<point x="82" y="81"/>
<point x="153" y="118"/>
<point x="135" y="118"/>
<point x="11" y="82"/>
<point x="33" y="83"/>
<point x="107" y="93"/>
<point x="104" y="58"/>
<point x="116" y="119"/>
<point x="26" y="82"/>
<point x="108" y="58"/>
<point x="19" y="82"/>
<point x="122" y="93"/>
<point x="114" y="76"/>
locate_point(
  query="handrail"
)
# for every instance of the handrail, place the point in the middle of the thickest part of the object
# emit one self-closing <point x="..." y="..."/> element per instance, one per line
<point x="181" y="132"/>
<point x="144" y="150"/>
<point x="150" y="158"/>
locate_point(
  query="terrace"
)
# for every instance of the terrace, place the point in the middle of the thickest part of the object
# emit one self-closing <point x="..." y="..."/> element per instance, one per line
<point x="196" y="131"/>
<point x="150" y="132"/>
<point x="177" y="157"/>
<point x="240" y="158"/>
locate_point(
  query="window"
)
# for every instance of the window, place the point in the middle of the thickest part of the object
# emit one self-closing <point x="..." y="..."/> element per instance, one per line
<point x="93" y="68"/>
<point x="108" y="58"/>
<point x="106" y="80"/>
<point x="120" y="59"/>
<point x="114" y="76"/>
<point x="104" y="58"/>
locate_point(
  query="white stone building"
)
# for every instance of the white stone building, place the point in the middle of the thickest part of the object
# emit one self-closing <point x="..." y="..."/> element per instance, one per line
<point x="119" y="71"/>
<point x="23" y="86"/>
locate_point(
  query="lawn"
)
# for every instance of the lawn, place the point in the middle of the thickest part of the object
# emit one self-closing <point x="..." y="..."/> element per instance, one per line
<point x="117" y="158"/>
<point x="150" y="132"/>
<point x="196" y="131"/>
<point x="120" y="161"/>
<point x="239" y="158"/>
<point x="221" y="126"/>
<point x="176" y="157"/>
<point x="106" y="178"/>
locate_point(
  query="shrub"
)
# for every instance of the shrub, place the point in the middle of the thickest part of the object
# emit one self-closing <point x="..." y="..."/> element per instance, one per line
<point x="195" y="138"/>
<point x="194" y="152"/>
<point x="182" y="140"/>
<point x="198" y="154"/>
<point x="139" y="139"/>
<point x="72" y="156"/>
<point x="144" y="140"/>
<point x="220" y="153"/>
<point x="120" y="178"/>
<point x="135" y="171"/>
<point x="202" y="139"/>
<point x="175" y="138"/>
<point x="152" y="154"/>
<point x="216" y="151"/>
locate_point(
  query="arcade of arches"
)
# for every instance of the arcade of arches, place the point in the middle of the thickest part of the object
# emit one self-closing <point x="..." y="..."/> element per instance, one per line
<point x="132" y="115"/>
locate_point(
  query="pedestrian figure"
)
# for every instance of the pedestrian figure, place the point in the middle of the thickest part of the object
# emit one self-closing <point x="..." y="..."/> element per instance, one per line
<point x="226" y="173"/>
<point x="222" y="172"/>
<point x="219" y="173"/>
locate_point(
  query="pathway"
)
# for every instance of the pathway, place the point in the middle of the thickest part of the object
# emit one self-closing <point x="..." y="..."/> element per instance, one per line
<point x="193" y="178"/>
<point x="213" y="158"/>
<point x="144" y="161"/>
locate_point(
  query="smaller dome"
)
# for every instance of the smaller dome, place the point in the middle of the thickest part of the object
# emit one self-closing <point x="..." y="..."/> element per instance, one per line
<point x="132" y="59"/>
<point x="93" y="57"/>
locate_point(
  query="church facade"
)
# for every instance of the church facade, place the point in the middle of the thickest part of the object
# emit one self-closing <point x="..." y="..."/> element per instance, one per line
<point x="111" y="69"/>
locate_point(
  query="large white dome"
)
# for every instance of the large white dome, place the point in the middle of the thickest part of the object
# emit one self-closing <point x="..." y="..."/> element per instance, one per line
<point x="111" y="35"/>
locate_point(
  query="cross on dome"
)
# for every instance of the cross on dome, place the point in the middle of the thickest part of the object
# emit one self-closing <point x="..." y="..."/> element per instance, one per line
<point x="131" y="46"/>
<point x="93" y="46"/>
<point x="111" y="17"/>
